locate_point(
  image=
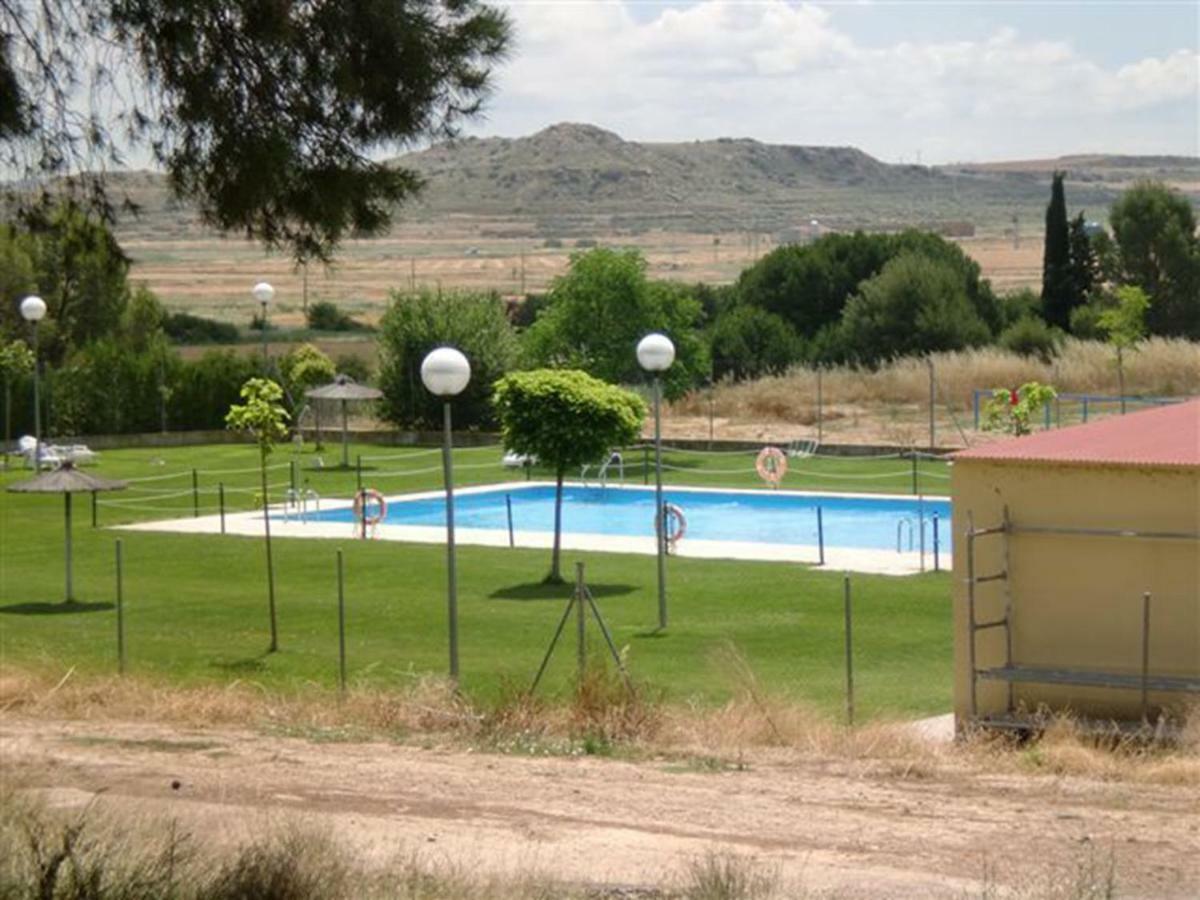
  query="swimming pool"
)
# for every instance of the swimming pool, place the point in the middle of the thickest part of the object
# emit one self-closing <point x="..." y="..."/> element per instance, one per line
<point x="872" y="522"/>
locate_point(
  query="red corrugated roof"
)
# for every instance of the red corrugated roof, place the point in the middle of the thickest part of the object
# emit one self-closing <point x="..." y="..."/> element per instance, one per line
<point x="1164" y="436"/>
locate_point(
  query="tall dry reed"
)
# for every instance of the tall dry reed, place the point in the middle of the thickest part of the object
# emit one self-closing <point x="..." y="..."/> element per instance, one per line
<point x="1160" y="367"/>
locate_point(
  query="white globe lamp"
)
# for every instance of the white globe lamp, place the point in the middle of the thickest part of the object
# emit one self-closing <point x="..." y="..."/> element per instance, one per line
<point x="655" y="352"/>
<point x="33" y="309"/>
<point x="445" y="372"/>
<point x="263" y="292"/>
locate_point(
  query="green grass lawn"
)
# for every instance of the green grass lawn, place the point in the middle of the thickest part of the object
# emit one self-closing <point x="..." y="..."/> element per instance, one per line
<point x="196" y="607"/>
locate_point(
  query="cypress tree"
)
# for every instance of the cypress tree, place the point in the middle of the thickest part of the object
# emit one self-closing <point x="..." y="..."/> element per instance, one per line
<point x="1057" y="294"/>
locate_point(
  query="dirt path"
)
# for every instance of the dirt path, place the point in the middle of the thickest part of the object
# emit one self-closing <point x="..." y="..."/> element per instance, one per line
<point x="857" y="828"/>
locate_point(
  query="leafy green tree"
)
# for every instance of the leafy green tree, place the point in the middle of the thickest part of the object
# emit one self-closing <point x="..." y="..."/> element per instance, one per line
<point x="16" y="362"/>
<point x="324" y="315"/>
<point x="749" y="342"/>
<point x="1058" y="295"/>
<point x="413" y="325"/>
<point x="270" y="117"/>
<point x="1155" y="230"/>
<point x="566" y="418"/>
<point x="915" y="305"/>
<point x="262" y="416"/>
<point x="809" y="285"/>
<point x="82" y="274"/>
<point x="596" y="314"/>
<point x="1013" y="411"/>
<point x="17" y="278"/>
<point x="1124" y="326"/>
<point x="304" y="368"/>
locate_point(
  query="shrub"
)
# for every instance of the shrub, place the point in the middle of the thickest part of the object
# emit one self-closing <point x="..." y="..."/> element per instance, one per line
<point x="205" y="389"/>
<point x="354" y="366"/>
<point x="324" y="315"/>
<point x="1031" y="336"/>
<point x="184" y="328"/>
<point x="413" y="325"/>
<point x="748" y="342"/>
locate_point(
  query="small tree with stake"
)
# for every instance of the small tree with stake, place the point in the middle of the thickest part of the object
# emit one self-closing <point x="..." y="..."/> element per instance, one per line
<point x="1125" y="327"/>
<point x="565" y="418"/>
<point x="263" y="416"/>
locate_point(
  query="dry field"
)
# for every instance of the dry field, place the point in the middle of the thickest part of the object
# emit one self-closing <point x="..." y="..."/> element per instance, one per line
<point x="804" y="807"/>
<point x="213" y="276"/>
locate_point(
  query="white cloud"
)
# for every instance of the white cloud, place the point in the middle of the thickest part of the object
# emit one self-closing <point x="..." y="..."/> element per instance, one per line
<point x="786" y="72"/>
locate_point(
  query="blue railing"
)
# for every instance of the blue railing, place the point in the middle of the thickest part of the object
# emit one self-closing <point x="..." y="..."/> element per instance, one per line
<point x="1072" y="409"/>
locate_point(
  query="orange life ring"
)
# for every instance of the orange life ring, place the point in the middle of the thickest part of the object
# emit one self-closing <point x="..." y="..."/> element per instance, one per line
<point x="772" y="465"/>
<point x="361" y="501"/>
<point x="674" y="515"/>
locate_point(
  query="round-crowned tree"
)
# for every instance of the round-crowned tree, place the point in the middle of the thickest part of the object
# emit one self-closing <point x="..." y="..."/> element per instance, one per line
<point x="565" y="418"/>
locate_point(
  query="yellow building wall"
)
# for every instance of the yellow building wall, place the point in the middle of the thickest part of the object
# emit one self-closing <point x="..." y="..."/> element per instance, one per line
<point x="1077" y="601"/>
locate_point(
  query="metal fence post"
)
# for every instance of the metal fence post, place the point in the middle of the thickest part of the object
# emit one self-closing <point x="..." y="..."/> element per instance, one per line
<point x="580" y="623"/>
<point x="849" y="651"/>
<point x="195" y="494"/>
<point x="936" y="544"/>
<point x="913" y="457"/>
<point x="292" y="474"/>
<point x="120" y="615"/>
<point x="95" y="505"/>
<point x="975" y="404"/>
<point x="358" y="472"/>
<point x="645" y="465"/>
<point x="820" y="538"/>
<point x="508" y="506"/>
<point x="341" y="626"/>
<point x="221" y="503"/>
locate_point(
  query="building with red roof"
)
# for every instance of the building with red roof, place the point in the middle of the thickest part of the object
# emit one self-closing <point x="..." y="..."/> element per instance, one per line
<point x="1077" y="564"/>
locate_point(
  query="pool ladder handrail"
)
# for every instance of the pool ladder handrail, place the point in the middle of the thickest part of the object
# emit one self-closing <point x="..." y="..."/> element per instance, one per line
<point x="296" y="500"/>
<point x="602" y="472"/>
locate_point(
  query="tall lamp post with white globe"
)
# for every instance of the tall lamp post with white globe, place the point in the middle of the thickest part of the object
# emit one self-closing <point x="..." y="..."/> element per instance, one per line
<point x="655" y="353"/>
<point x="445" y="372"/>
<point x="264" y="294"/>
<point x="33" y="310"/>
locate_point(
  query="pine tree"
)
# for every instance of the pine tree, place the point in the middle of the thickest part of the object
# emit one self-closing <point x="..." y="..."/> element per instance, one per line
<point x="1057" y="295"/>
<point x="1085" y="264"/>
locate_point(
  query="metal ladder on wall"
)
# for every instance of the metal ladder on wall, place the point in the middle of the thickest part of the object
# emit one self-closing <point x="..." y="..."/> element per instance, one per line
<point x="974" y="580"/>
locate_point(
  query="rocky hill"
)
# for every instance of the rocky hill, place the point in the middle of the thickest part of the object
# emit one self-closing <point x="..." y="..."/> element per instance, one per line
<point x="574" y="179"/>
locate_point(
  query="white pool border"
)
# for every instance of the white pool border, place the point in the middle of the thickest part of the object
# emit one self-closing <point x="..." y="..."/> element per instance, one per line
<point x="880" y="562"/>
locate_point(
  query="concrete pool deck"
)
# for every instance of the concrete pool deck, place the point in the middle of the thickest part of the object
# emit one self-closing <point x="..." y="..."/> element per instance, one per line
<point x="250" y="524"/>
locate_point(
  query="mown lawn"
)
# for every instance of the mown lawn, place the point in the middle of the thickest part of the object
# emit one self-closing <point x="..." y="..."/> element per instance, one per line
<point x="196" y="605"/>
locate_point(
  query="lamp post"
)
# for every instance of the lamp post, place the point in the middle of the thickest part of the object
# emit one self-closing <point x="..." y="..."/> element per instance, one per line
<point x="264" y="294"/>
<point x="33" y="310"/>
<point x="655" y="353"/>
<point x="445" y="372"/>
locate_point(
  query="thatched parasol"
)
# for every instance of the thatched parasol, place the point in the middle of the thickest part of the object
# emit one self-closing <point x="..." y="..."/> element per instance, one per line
<point x="66" y="480"/>
<point x="345" y="389"/>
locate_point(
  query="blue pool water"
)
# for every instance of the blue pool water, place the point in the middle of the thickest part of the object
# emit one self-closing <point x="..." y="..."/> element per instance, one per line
<point x="758" y="517"/>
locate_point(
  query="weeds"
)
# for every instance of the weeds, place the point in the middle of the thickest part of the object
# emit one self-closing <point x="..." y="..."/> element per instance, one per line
<point x="726" y="876"/>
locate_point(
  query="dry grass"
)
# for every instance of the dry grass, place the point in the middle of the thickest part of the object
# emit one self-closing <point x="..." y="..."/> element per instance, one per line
<point x="604" y="718"/>
<point x="1161" y="367"/>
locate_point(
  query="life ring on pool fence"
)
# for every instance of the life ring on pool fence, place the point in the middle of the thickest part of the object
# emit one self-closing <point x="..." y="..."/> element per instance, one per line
<point x="772" y="465"/>
<point x="676" y="526"/>
<point x="362" y="511"/>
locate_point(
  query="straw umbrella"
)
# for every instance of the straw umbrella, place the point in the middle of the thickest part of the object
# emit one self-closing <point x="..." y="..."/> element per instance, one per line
<point x="344" y="389"/>
<point x="66" y="480"/>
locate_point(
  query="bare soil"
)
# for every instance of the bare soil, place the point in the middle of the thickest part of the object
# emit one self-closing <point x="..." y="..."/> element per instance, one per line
<point x="855" y="828"/>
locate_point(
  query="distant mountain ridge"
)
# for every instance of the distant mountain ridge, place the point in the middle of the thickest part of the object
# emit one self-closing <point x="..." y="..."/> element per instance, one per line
<point x="573" y="179"/>
<point x="578" y="170"/>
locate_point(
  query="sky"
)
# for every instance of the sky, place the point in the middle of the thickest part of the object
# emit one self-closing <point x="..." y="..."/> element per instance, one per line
<point x="907" y="80"/>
